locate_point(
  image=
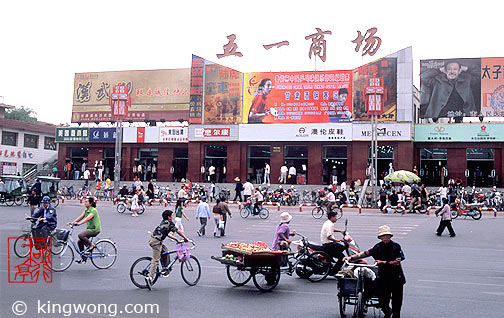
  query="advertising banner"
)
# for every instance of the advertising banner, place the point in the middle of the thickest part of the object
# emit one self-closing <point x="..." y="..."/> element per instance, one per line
<point x="173" y="134"/>
<point x="297" y="97"/>
<point x="102" y="134"/>
<point x="141" y="134"/>
<point x="72" y="134"/>
<point x="383" y="71"/>
<point x="196" y="90"/>
<point x="459" y="132"/>
<point x="213" y="133"/>
<point x="155" y="94"/>
<point x="450" y="88"/>
<point x="222" y="96"/>
<point x="492" y="87"/>
<point x="392" y="131"/>
<point x="296" y="132"/>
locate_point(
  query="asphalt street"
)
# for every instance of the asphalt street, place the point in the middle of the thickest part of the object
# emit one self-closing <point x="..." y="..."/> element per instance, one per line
<point x="446" y="277"/>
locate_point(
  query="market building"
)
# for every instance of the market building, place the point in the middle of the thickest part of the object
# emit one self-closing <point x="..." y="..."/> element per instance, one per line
<point x="25" y="145"/>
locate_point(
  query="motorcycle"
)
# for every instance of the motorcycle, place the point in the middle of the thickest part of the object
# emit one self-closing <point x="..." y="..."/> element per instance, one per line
<point x="305" y="269"/>
<point x="353" y="198"/>
<point x="460" y="208"/>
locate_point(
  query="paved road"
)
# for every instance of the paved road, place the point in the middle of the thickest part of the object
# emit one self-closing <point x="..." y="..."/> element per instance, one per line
<point x="447" y="277"/>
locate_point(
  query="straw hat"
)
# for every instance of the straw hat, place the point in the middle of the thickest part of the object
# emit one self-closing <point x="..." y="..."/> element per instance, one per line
<point x="237" y="179"/>
<point x="384" y="230"/>
<point x="285" y="217"/>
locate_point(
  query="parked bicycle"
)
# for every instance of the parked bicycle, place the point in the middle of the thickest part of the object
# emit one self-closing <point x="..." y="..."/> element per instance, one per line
<point x="103" y="255"/>
<point x="248" y="209"/>
<point x="190" y="267"/>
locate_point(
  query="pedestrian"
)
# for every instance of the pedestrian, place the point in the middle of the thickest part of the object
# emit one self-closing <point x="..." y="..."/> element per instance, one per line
<point x="283" y="174"/>
<point x="33" y="201"/>
<point x="292" y="175"/>
<point x="267" y="171"/>
<point x="443" y="192"/>
<point x="212" y="191"/>
<point x="211" y="173"/>
<point x="217" y="212"/>
<point x="446" y="219"/>
<point x="248" y="189"/>
<point x="388" y="256"/>
<point x="182" y="194"/>
<point x="238" y="189"/>
<point x="135" y="205"/>
<point x="86" y="177"/>
<point x="224" y="208"/>
<point x="259" y="173"/>
<point x="452" y="193"/>
<point x="179" y="213"/>
<point x="383" y="197"/>
<point x="150" y="190"/>
<point x="203" y="214"/>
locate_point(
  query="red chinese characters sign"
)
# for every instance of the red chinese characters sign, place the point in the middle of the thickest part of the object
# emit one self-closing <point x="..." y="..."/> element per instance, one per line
<point x="119" y="101"/>
<point x="213" y="132"/>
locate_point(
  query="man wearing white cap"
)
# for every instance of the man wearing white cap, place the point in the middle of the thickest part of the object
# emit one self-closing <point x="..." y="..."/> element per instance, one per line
<point x="281" y="240"/>
<point x="388" y="255"/>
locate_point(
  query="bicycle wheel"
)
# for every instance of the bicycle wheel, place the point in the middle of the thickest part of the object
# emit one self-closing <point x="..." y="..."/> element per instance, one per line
<point x="55" y="202"/>
<point x="19" y="200"/>
<point x="121" y="207"/>
<point x="359" y="306"/>
<point x="22" y="246"/>
<point x="100" y="195"/>
<point x="191" y="271"/>
<point x="264" y="213"/>
<point x="244" y="212"/>
<point x="319" y="265"/>
<point x="140" y="269"/>
<point x="104" y="254"/>
<point x="339" y="212"/>
<point x="9" y="201"/>
<point x="266" y="278"/>
<point x="237" y="276"/>
<point x="342" y="305"/>
<point x="63" y="260"/>
<point x="317" y="212"/>
<point x="142" y="209"/>
<point x="57" y="245"/>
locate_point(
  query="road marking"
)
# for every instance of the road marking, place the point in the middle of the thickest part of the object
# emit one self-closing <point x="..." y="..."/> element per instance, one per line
<point x="490" y="293"/>
<point x="461" y="283"/>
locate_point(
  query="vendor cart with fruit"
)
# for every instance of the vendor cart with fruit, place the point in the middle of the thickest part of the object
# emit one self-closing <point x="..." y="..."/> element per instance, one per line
<point x="252" y="261"/>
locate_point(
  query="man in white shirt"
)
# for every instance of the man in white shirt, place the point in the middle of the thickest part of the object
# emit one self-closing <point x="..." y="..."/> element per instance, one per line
<point x="406" y="190"/>
<point x="267" y="170"/>
<point x="248" y="188"/>
<point x="182" y="194"/>
<point x="86" y="176"/>
<point x="283" y="174"/>
<point x="259" y="200"/>
<point x="329" y="242"/>
<point x="211" y="173"/>
<point x="331" y="199"/>
<point x="292" y="175"/>
<point x="443" y="192"/>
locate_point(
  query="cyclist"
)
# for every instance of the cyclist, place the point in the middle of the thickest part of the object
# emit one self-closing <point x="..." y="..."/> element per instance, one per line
<point x="329" y="242"/>
<point x="93" y="226"/>
<point x="331" y="199"/>
<point x="164" y="229"/>
<point x="259" y="201"/>
<point x="48" y="219"/>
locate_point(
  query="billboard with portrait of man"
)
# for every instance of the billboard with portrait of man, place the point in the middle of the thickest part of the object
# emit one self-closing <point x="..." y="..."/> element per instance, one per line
<point x="450" y="88"/>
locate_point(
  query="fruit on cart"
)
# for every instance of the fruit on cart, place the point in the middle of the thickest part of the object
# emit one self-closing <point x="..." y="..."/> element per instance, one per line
<point x="255" y="247"/>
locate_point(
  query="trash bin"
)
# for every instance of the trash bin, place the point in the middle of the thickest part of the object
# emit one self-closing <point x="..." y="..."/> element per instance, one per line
<point x="301" y="179"/>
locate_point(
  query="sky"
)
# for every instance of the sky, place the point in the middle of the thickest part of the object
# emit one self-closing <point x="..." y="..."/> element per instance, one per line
<point x="44" y="43"/>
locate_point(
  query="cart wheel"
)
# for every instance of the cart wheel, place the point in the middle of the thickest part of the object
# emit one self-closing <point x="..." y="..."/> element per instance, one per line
<point x="9" y="201"/>
<point x="244" y="212"/>
<point x="266" y="278"/>
<point x="476" y="214"/>
<point x="318" y="266"/>
<point x="317" y="212"/>
<point x="342" y="305"/>
<point x="359" y="306"/>
<point x="142" y="209"/>
<point x="237" y="276"/>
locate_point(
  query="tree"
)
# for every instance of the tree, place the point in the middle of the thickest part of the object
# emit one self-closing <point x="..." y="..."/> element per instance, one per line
<point x="21" y="114"/>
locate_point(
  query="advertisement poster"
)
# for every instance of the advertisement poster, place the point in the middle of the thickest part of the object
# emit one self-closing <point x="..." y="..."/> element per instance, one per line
<point x="459" y="132"/>
<point x="102" y="134"/>
<point x="450" y="88"/>
<point x="222" y="96"/>
<point x="196" y="90"/>
<point x="386" y="71"/>
<point x="296" y="132"/>
<point x="492" y="87"/>
<point x="155" y="94"/>
<point x="297" y="97"/>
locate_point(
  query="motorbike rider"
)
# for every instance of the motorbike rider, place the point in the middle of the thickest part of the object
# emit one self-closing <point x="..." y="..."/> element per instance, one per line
<point x="329" y="242"/>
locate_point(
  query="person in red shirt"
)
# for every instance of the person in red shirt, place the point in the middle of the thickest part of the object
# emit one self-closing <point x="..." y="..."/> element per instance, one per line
<point x="259" y="108"/>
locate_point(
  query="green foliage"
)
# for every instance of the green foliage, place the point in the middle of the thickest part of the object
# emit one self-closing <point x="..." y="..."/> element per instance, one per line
<point x="21" y="114"/>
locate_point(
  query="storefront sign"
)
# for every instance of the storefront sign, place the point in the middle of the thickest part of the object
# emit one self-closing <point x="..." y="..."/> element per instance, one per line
<point x="173" y="134"/>
<point x="141" y="134"/>
<point x="8" y="168"/>
<point x="395" y="131"/>
<point x="72" y="134"/>
<point x="16" y="153"/>
<point x="196" y="90"/>
<point x="459" y="132"/>
<point x="155" y="94"/>
<point x="206" y="132"/>
<point x="102" y="134"/>
<point x="297" y="97"/>
<point x="296" y="132"/>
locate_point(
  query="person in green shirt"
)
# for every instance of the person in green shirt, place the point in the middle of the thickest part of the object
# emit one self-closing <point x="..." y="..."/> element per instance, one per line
<point x="93" y="225"/>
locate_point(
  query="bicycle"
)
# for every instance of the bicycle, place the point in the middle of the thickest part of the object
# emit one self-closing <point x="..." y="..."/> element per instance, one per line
<point x="248" y="209"/>
<point x="190" y="268"/>
<point x="321" y="209"/>
<point x="24" y="241"/>
<point x="103" y="255"/>
<point x="126" y="205"/>
<point x="84" y="192"/>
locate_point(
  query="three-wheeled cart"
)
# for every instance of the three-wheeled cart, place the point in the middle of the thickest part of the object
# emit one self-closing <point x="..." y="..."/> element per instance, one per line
<point x="15" y="186"/>
<point x="262" y="267"/>
<point x="49" y="187"/>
